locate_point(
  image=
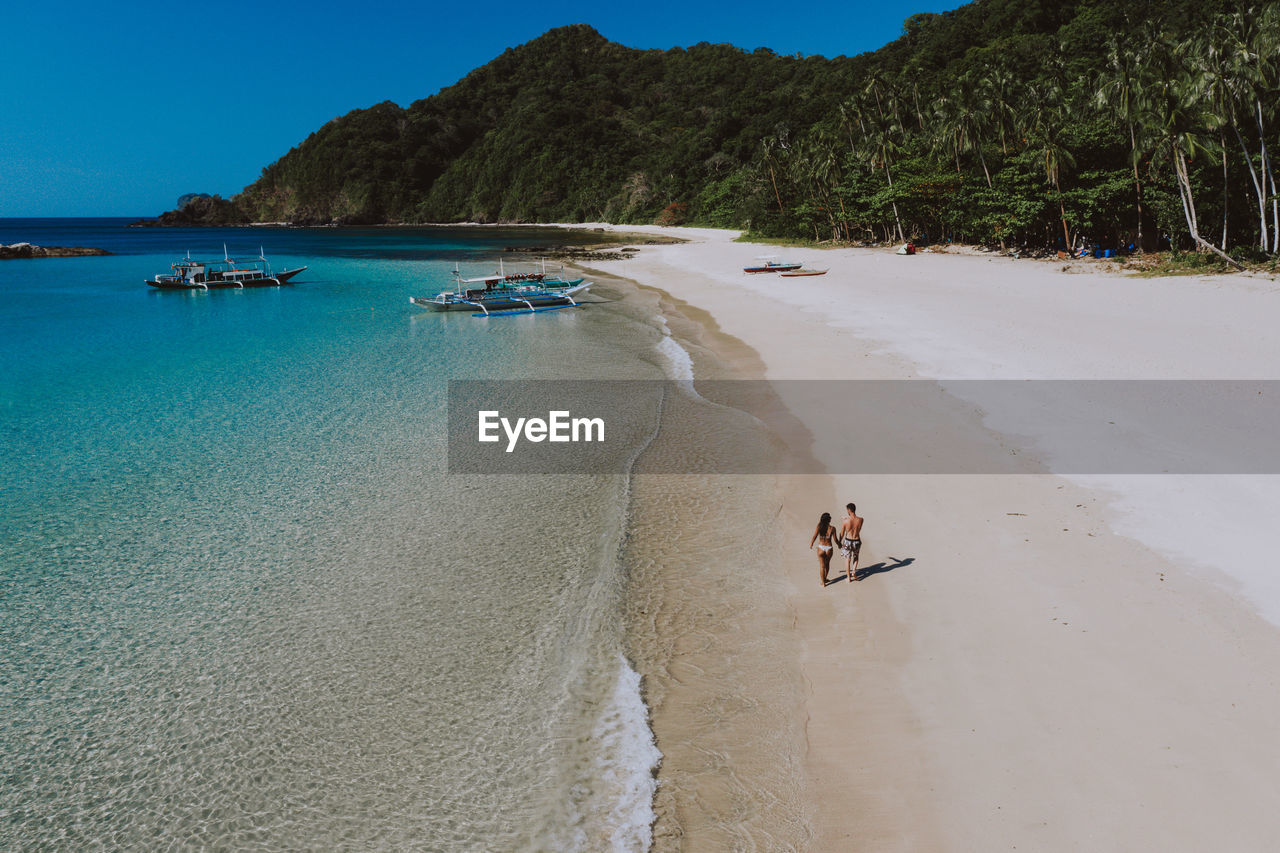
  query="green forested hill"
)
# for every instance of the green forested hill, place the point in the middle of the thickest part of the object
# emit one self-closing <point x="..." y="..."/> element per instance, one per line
<point x="1013" y="121"/>
<point x="567" y="127"/>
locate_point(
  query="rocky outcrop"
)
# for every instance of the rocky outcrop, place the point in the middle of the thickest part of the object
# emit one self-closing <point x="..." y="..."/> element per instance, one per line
<point x="26" y="250"/>
<point x="200" y="211"/>
<point x="589" y="253"/>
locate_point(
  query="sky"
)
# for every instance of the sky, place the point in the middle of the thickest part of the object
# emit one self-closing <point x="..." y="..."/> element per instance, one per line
<point x="117" y="109"/>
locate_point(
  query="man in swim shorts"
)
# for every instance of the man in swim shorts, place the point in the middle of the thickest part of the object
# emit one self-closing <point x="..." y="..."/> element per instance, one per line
<point x="851" y="540"/>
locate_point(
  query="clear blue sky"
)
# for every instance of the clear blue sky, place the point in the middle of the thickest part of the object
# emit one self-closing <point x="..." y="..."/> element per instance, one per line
<point x="117" y="109"/>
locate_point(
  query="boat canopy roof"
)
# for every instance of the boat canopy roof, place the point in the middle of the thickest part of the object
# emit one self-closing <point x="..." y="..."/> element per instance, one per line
<point x="190" y="262"/>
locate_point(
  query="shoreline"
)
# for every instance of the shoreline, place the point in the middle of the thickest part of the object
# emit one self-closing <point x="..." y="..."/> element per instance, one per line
<point x="697" y="556"/>
<point x="999" y="680"/>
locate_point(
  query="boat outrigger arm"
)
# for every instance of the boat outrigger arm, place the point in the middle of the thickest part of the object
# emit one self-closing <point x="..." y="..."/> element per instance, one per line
<point x="541" y="310"/>
<point x="569" y="303"/>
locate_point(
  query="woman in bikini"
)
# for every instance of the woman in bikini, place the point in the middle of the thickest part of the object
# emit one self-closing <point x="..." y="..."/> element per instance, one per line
<point x="824" y="535"/>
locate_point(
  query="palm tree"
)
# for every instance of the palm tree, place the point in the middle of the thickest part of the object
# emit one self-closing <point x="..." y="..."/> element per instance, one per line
<point x="853" y="113"/>
<point x="828" y="174"/>
<point x="915" y="98"/>
<point x="1046" y="124"/>
<point x="1267" y="44"/>
<point x="1119" y="87"/>
<point x="945" y="134"/>
<point x="882" y="135"/>
<point x="1207" y="72"/>
<point x="1247" y="42"/>
<point x="1178" y="123"/>
<point x="1268" y="71"/>
<point x="997" y="95"/>
<point x="881" y="88"/>
<point x="768" y="146"/>
<point x="1235" y="79"/>
<point x="884" y="130"/>
<point x="811" y="165"/>
<point x="966" y="120"/>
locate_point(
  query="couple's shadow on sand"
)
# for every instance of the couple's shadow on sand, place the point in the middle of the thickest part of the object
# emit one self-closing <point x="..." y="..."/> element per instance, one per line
<point x="864" y="572"/>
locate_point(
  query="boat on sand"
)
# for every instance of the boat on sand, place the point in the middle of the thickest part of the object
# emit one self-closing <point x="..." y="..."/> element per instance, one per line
<point x="772" y="265"/>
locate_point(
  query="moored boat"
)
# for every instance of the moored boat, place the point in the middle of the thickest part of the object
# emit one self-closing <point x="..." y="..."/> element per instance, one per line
<point x="502" y="278"/>
<point x="799" y="272"/>
<point x="189" y="274"/>
<point x="519" y="292"/>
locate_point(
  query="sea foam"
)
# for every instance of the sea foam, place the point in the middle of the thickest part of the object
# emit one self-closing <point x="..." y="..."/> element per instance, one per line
<point x="628" y="759"/>
<point x="679" y="362"/>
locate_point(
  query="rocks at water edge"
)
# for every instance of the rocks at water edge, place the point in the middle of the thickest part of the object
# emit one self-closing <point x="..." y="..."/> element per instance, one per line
<point x="586" y="253"/>
<point x="26" y="250"/>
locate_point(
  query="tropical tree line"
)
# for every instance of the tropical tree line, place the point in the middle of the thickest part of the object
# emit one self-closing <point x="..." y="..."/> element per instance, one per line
<point x="1007" y="122"/>
<point x="1167" y="141"/>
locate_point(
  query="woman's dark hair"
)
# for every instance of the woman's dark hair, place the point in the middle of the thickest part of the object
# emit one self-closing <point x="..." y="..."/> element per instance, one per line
<point x="824" y="522"/>
<point x="851" y="507"/>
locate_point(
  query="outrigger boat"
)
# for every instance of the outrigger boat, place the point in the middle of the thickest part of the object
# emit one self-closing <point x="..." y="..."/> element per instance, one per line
<point x="771" y="265"/>
<point x="794" y="273"/>
<point x="502" y="278"/>
<point x="188" y="274"/>
<point x="515" y="293"/>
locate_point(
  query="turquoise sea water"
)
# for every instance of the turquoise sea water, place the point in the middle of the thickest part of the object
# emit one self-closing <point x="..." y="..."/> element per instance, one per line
<point x="242" y="605"/>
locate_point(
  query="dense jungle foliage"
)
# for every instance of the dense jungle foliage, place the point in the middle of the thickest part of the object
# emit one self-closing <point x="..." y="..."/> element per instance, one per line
<point x="1011" y="122"/>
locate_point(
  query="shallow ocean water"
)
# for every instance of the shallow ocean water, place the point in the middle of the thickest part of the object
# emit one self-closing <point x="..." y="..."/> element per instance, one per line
<point x="242" y="604"/>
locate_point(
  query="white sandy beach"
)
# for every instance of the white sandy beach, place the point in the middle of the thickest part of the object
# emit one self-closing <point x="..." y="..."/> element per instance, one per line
<point x="1034" y="662"/>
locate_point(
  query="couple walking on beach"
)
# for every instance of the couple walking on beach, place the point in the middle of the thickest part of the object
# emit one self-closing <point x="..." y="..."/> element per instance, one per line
<point x="848" y="538"/>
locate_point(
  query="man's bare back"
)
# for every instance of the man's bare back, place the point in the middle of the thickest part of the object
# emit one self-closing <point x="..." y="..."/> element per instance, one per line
<point x="851" y="540"/>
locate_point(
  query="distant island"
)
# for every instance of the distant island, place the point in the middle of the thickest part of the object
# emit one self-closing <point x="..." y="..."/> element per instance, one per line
<point x="1049" y="125"/>
<point x="26" y="250"/>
